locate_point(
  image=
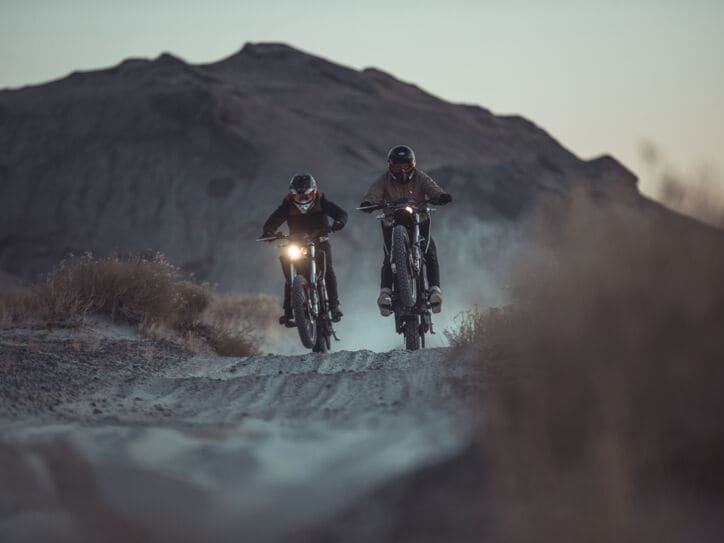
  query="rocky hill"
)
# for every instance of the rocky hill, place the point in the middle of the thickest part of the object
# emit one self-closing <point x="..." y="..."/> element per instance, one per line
<point x="189" y="159"/>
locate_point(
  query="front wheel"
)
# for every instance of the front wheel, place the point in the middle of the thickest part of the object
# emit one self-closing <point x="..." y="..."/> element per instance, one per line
<point x="302" y="306"/>
<point x="411" y="331"/>
<point x="404" y="274"/>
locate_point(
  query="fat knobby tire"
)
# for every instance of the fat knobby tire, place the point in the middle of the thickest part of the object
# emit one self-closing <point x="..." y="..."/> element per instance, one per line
<point x="404" y="275"/>
<point x="411" y="331"/>
<point x="306" y="324"/>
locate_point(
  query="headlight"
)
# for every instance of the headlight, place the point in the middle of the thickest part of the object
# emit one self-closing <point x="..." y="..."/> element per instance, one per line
<point x="409" y="210"/>
<point x="294" y="252"/>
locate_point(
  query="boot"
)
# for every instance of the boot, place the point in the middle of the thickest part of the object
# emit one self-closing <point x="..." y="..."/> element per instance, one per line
<point x="333" y="293"/>
<point x="287" y="320"/>
<point x="336" y="311"/>
<point x="435" y="297"/>
<point x="384" y="302"/>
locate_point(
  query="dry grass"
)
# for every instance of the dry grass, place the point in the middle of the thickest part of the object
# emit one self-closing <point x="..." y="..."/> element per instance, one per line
<point x="144" y="292"/>
<point x="487" y="330"/>
<point x="613" y="432"/>
<point x="698" y="193"/>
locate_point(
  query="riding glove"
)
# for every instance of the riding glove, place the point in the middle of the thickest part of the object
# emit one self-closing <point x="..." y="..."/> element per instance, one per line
<point x="442" y="199"/>
<point x="367" y="204"/>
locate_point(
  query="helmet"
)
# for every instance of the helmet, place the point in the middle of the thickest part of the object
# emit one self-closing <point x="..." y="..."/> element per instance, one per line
<point x="303" y="191"/>
<point x="401" y="162"/>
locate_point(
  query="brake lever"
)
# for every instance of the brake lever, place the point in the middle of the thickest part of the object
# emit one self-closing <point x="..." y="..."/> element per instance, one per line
<point x="275" y="237"/>
<point x="370" y="208"/>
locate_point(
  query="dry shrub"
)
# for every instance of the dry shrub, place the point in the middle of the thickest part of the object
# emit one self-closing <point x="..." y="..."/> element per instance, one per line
<point x="254" y="317"/>
<point x="615" y="432"/>
<point x="135" y="290"/>
<point x="146" y="292"/>
<point x="488" y="330"/>
<point x="698" y="193"/>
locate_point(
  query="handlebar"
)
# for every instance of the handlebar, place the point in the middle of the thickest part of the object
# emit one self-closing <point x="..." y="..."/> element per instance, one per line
<point x="314" y="236"/>
<point x="401" y="204"/>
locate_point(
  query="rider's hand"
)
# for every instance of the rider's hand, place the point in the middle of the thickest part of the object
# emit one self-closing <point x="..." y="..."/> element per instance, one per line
<point x="337" y="225"/>
<point x="367" y="204"/>
<point x="441" y="199"/>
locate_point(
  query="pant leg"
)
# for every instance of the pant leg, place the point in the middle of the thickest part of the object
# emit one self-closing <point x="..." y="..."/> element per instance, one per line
<point x="329" y="277"/>
<point x="431" y="262"/>
<point x="287" y="303"/>
<point x="386" y="276"/>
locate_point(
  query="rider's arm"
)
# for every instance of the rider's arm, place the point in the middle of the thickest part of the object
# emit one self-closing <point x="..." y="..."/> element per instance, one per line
<point x="376" y="193"/>
<point x="432" y="189"/>
<point x="338" y="214"/>
<point x="277" y="218"/>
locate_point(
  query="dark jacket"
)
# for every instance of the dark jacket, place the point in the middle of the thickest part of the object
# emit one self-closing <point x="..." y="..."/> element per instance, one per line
<point x="305" y="223"/>
<point x="419" y="189"/>
<point x="385" y="189"/>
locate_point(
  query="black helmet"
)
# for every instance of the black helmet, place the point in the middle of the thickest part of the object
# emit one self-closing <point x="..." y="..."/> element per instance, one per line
<point x="303" y="191"/>
<point x="401" y="162"/>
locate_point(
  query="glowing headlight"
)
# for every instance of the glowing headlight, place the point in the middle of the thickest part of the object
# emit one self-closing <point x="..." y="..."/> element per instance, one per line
<point x="408" y="209"/>
<point x="294" y="252"/>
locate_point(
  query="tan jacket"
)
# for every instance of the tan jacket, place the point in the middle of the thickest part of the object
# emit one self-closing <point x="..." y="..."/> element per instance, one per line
<point x="420" y="188"/>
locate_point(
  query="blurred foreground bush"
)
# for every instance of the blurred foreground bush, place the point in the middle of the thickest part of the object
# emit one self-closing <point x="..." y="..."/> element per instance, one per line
<point x="612" y="430"/>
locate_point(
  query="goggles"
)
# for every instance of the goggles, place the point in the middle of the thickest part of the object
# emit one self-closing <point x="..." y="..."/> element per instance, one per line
<point x="401" y="168"/>
<point x="304" y="197"/>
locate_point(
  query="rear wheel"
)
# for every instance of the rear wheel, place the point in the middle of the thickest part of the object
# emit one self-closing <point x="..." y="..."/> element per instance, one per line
<point x="411" y="331"/>
<point x="301" y="304"/>
<point x="404" y="274"/>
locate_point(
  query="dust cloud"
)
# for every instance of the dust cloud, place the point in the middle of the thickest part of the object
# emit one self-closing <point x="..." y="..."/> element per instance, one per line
<point x="474" y="259"/>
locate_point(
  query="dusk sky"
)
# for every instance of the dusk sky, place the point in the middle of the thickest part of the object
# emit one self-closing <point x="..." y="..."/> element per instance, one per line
<point x="600" y="76"/>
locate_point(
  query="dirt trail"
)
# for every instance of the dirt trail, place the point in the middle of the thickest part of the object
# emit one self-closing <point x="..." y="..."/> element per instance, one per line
<point x="120" y="438"/>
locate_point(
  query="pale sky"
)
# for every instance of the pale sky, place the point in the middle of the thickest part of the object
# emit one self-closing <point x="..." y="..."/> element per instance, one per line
<point x="600" y="76"/>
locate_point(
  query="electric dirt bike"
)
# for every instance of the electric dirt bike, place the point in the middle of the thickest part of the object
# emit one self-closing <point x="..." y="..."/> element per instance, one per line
<point x="310" y="301"/>
<point x="410" y="298"/>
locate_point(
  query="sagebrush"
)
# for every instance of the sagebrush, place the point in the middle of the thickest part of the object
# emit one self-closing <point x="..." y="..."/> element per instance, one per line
<point x="147" y="292"/>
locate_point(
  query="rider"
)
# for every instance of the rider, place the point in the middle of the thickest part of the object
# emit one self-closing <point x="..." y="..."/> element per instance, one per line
<point x="404" y="181"/>
<point x="305" y="210"/>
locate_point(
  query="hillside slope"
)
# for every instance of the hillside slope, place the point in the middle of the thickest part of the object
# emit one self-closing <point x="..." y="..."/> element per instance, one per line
<point x="189" y="159"/>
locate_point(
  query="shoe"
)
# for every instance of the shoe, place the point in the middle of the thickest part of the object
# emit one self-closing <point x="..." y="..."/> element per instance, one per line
<point x="435" y="297"/>
<point x="287" y="320"/>
<point x="336" y="313"/>
<point x="384" y="302"/>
